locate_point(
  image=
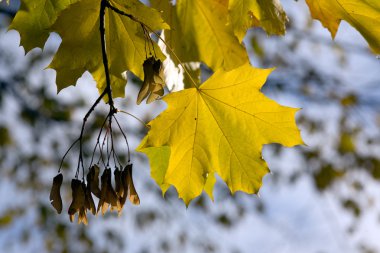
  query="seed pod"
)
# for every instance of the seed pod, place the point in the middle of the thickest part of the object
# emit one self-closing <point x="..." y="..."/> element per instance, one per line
<point x="132" y="194"/>
<point x="119" y="188"/>
<point x="93" y="180"/>
<point x="153" y="84"/>
<point x="89" y="202"/>
<point x="157" y="67"/>
<point x="78" y="202"/>
<point x="55" y="193"/>
<point x="102" y="200"/>
<point x="124" y="182"/>
<point x="108" y="195"/>
<point x="118" y="183"/>
<point x="82" y="217"/>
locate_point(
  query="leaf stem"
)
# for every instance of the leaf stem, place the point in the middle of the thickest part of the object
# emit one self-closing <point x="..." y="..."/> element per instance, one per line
<point x="125" y="137"/>
<point x="64" y="156"/>
<point x="133" y="116"/>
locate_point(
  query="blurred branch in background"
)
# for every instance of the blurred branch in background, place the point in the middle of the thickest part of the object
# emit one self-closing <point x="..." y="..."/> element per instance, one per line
<point x="7" y="11"/>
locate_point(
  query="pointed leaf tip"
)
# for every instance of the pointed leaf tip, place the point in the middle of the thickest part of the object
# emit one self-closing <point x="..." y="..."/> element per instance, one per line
<point x="362" y="15"/>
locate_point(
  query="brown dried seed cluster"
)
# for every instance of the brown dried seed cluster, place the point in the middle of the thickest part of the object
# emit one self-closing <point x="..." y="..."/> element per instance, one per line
<point x="153" y="85"/>
<point x="82" y="199"/>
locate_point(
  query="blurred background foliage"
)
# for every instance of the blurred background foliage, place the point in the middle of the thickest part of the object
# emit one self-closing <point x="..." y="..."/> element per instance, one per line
<point x="339" y="168"/>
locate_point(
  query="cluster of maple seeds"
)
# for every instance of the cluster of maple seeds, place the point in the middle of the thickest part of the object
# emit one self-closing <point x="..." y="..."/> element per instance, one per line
<point x="82" y="199"/>
<point x="153" y="84"/>
<point x="109" y="197"/>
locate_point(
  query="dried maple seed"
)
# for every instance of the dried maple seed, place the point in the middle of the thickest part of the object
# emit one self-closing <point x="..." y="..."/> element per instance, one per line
<point x="158" y="88"/>
<point x="108" y="195"/>
<point x="157" y="67"/>
<point x="78" y="202"/>
<point x="93" y="180"/>
<point x="124" y="183"/>
<point x="133" y="196"/>
<point x="102" y="203"/>
<point x="119" y="185"/>
<point x="89" y="201"/>
<point x="82" y="217"/>
<point x="153" y="85"/>
<point x="55" y="193"/>
<point x="119" y="189"/>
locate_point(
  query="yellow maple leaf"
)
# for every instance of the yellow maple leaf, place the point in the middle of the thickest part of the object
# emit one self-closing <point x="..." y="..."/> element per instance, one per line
<point x="34" y="19"/>
<point x="126" y="44"/>
<point x="220" y="128"/>
<point x="363" y="15"/>
<point x="267" y="14"/>
<point x="199" y="33"/>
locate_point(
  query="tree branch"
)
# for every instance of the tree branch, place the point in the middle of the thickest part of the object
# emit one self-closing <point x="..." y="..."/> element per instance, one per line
<point x="103" y="6"/>
<point x="80" y="161"/>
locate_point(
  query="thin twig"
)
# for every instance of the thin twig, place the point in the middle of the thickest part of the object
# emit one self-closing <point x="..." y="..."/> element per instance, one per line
<point x="64" y="156"/>
<point x="115" y="157"/>
<point x="111" y="138"/>
<point x="125" y="137"/>
<point x="109" y="5"/>
<point x="149" y="39"/>
<point x="102" y="146"/>
<point x="108" y="152"/>
<point x="98" y="140"/>
<point x="80" y="160"/>
<point x="133" y="116"/>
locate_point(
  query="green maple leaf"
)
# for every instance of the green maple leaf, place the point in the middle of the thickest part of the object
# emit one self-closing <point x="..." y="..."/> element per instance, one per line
<point x="34" y="19"/>
<point x="199" y="33"/>
<point x="218" y="128"/>
<point x="267" y="14"/>
<point x="363" y="15"/>
<point x="126" y="44"/>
